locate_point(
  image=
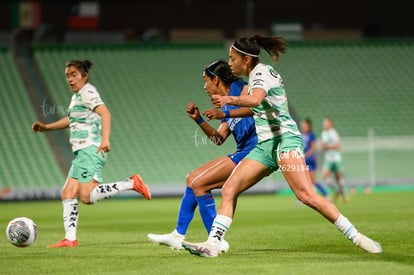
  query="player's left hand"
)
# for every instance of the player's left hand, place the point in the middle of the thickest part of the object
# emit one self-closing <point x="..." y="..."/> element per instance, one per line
<point x="219" y="101"/>
<point x="214" y="114"/>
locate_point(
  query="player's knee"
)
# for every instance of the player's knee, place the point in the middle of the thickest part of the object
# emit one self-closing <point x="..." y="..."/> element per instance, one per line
<point x="228" y="191"/>
<point x="85" y="198"/>
<point x="189" y="179"/>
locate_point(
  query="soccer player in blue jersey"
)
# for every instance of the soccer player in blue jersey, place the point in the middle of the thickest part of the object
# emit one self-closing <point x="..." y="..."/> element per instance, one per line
<point x="309" y="148"/>
<point x="89" y="121"/>
<point x="218" y="80"/>
<point x="279" y="146"/>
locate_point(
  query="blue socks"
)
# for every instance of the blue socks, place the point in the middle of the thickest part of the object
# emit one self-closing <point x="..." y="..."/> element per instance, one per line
<point x="186" y="212"/>
<point x="207" y="208"/>
<point x="321" y="189"/>
<point x="189" y="201"/>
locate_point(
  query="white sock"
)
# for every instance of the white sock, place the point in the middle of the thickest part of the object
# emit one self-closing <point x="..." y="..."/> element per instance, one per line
<point x="107" y="190"/>
<point x="219" y="228"/>
<point x="347" y="228"/>
<point x="70" y="218"/>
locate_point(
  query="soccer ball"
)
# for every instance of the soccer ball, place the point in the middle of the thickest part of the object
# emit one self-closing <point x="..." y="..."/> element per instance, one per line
<point x="21" y="232"/>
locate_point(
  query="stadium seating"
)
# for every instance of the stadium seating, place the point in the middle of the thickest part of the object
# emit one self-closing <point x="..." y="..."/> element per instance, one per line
<point x="361" y="85"/>
<point x="27" y="160"/>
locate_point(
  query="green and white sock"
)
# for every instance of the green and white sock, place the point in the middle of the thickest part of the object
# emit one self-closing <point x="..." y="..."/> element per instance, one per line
<point x="218" y="229"/>
<point x="347" y="228"/>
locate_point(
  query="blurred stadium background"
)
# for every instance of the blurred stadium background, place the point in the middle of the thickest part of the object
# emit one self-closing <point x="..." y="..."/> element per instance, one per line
<point x="351" y="61"/>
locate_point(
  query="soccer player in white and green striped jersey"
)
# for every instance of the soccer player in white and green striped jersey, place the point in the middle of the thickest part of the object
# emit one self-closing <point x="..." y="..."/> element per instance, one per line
<point x="279" y="147"/>
<point x="332" y="159"/>
<point x="89" y="121"/>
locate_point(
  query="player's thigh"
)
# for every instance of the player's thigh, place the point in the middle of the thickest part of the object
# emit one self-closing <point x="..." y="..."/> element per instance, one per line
<point x="70" y="189"/>
<point x="246" y="174"/>
<point x="214" y="172"/>
<point x="295" y="173"/>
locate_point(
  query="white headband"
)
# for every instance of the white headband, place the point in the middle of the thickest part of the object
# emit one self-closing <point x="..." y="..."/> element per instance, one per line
<point x="240" y="51"/>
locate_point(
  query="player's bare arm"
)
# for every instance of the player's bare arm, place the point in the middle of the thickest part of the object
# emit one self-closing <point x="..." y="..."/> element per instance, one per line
<point x="219" y="114"/>
<point x="57" y="125"/>
<point x="217" y="136"/>
<point x="255" y="98"/>
<point x="105" y="115"/>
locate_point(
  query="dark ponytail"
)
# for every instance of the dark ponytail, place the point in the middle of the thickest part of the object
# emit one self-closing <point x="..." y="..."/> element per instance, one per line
<point x="251" y="46"/>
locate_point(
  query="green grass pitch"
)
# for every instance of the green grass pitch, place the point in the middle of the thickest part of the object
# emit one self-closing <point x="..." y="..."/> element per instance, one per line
<point x="270" y="234"/>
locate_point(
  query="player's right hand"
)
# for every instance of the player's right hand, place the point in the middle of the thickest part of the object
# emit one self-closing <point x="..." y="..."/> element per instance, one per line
<point x="193" y="111"/>
<point x="38" y="127"/>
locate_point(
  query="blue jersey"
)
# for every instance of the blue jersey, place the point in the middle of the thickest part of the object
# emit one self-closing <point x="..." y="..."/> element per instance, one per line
<point x="242" y="128"/>
<point x="307" y="141"/>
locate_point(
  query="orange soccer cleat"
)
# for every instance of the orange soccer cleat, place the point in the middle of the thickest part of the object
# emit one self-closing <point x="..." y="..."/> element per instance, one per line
<point x="63" y="243"/>
<point x="140" y="186"/>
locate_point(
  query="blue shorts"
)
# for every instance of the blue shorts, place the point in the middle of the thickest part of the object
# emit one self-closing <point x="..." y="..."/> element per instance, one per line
<point x="311" y="164"/>
<point x="237" y="156"/>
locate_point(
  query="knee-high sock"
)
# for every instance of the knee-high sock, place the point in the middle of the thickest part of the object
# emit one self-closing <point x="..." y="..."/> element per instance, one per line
<point x="186" y="211"/>
<point x="108" y="190"/>
<point x="70" y="218"/>
<point x="207" y="208"/>
<point x="321" y="189"/>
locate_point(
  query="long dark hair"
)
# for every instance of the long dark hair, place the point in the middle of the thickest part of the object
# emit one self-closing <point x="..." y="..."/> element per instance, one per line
<point x="251" y="46"/>
<point x="222" y="70"/>
<point x="82" y="66"/>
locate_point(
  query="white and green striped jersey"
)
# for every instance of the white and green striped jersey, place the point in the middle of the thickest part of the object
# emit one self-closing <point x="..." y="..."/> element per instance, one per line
<point x="272" y="116"/>
<point x="331" y="138"/>
<point x="84" y="123"/>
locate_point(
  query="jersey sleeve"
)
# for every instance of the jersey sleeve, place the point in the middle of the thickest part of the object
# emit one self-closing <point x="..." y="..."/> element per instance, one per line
<point x="92" y="99"/>
<point x="258" y="81"/>
<point x="264" y="79"/>
<point x="237" y="87"/>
